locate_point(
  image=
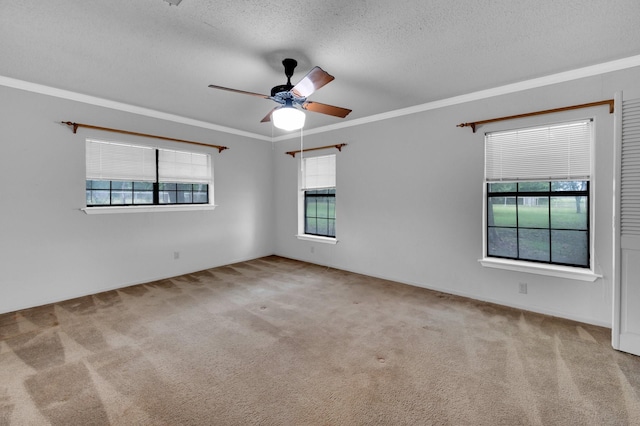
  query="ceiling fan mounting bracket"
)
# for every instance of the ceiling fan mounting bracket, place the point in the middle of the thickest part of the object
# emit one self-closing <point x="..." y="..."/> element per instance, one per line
<point x="289" y="66"/>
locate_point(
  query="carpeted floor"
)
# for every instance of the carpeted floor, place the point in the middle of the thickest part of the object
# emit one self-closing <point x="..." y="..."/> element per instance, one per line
<point x="279" y="342"/>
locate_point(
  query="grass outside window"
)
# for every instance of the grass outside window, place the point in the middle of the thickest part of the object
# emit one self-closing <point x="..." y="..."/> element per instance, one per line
<point x="539" y="221"/>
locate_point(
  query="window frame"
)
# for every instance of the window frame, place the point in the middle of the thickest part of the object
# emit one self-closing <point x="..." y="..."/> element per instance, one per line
<point x="302" y="225"/>
<point x="330" y="193"/>
<point x="549" y="194"/>
<point x="542" y="268"/>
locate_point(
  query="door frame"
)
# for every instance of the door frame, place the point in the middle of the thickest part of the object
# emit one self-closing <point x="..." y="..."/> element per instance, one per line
<point x="617" y="264"/>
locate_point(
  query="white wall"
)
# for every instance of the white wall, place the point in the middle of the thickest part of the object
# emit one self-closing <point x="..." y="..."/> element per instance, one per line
<point x="409" y="203"/>
<point x="409" y="199"/>
<point x="51" y="251"/>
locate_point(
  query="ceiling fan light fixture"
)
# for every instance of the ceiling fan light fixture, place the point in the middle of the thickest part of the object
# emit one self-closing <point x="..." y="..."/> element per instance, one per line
<point x="288" y="118"/>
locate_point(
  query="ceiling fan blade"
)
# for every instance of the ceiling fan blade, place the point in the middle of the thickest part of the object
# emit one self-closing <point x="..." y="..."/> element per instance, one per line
<point x="213" y="86"/>
<point x="326" y="109"/>
<point x="315" y="79"/>
<point x="267" y="118"/>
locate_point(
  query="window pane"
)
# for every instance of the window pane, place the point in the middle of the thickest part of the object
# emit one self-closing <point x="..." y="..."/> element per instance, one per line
<point x="143" y="186"/>
<point x="99" y="184"/>
<point x="534" y="244"/>
<point x="569" y="212"/>
<point x="532" y="213"/>
<point x="569" y="185"/>
<point x="310" y="225"/>
<point x="121" y="185"/>
<point x="502" y="242"/>
<point x="121" y="197"/>
<point x="533" y="187"/>
<point x="502" y="211"/>
<point x="322" y="226"/>
<point x="201" y="187"/>
<point x="332" y="228"/>
<point x="323" y="207"/>
<point x="167" y="197"/>
<point x="98" y="198"/>
<point x="503" y="187"/>
<point x="200" y="197"/>
<point x="143" y="197"/>
<point x="168" y="186"/>
<point x="184" y="197"/>
<point x="570" y="247"/>
<point x="332" y="208"/>
<point x="185" y="187"/>
<point x="310" y="207"/>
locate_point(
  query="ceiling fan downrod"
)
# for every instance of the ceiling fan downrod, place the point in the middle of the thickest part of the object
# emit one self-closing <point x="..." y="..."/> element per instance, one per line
<point x="289" y="66"/>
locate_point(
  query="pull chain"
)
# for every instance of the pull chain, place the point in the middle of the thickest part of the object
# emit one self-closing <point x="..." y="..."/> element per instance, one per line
<point x="301" y="152"/>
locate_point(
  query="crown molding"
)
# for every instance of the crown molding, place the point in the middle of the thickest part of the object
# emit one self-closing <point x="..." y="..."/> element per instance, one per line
<point x="120" y="106"/>
<point x="589" y="71"/>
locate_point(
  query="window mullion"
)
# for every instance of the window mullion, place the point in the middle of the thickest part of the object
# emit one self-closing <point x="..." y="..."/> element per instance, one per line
<point x="156" y="184"/>
<point x="517" y="222"/>
<point x="549" y="213"/>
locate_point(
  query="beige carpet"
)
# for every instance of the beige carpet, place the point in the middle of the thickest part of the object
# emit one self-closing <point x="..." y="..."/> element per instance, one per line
<point x="279" y="342"/>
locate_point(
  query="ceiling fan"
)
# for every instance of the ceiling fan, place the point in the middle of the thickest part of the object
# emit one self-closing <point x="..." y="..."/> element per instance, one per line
<point x="287" y="116"/>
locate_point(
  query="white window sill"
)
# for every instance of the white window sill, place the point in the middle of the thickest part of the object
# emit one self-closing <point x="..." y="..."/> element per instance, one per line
<point x="316" y="238"/>
<point x="148" y="209"/>
<point x="541" y="269"/>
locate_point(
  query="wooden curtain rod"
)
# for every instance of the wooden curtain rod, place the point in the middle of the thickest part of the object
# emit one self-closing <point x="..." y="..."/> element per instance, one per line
<point x="548" y="111"/>
<point x="126" y="132"/>
<point x="338" y="147"/>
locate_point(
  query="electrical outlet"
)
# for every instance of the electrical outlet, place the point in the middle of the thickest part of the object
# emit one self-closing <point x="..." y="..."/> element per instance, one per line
<point x="176" y="255"/>
<point x="523" y="288"/>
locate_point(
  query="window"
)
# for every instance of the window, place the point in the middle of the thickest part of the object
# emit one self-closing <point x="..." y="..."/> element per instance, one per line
<point x="537" y="183"/>
<point x="319" y="196"/>
<point x="539" y="221"/>
<point x="128" y="175"/>
<point x="320" y="212"/>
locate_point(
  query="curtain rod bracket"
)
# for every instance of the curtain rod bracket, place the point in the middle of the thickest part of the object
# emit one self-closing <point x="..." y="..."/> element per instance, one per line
<point x="472" y="125"/>
<point x="75" y="126"/>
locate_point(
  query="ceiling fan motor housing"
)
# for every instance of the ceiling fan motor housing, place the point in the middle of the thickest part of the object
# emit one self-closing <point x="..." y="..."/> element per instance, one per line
<point x="282" y="88"/>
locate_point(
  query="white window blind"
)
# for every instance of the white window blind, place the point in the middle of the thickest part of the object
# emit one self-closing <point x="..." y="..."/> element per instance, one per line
<point x="319" y="172"/>
<point x="556" y="152"/>
<point x="181" y="166"/>
<point x="117" y="161"/>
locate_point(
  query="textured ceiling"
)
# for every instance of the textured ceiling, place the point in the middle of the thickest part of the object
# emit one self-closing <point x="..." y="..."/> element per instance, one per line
<point x="385" y="55"/>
